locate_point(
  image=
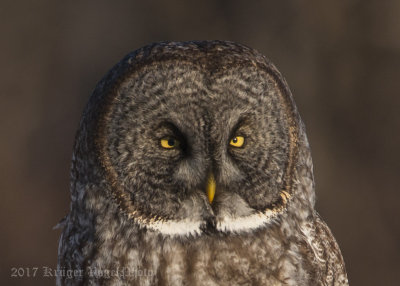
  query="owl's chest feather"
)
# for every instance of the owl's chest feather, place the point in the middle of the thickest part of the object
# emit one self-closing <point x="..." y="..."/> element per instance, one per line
<point x="260" y="258"/>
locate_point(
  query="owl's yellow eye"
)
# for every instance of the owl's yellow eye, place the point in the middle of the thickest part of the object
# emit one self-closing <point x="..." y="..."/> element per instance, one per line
<point x="169" y="143"/>
<point x="237" y="141"/>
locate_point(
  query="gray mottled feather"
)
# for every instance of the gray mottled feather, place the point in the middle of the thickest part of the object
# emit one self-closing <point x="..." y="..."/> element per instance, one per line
<point x="130" y="197"/>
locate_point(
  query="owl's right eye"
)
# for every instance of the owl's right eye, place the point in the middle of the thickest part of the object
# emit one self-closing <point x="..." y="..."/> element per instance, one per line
<point x="237" y="141"/>
<point x="169" y="142"/>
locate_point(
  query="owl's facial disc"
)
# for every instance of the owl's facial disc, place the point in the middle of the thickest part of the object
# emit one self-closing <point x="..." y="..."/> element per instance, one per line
<point x="186" y="147"/>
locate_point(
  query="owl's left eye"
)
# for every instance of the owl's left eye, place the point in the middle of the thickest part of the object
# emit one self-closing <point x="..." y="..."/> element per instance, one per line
<point x="169" y="143"/>
<point x="237" y="141"/>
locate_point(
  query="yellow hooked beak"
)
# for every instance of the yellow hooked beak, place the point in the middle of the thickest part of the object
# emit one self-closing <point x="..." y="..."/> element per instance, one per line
<point x="211" y="188"/>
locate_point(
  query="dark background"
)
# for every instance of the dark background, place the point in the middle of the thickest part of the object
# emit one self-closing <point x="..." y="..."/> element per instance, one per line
<point x="342" y="62"/>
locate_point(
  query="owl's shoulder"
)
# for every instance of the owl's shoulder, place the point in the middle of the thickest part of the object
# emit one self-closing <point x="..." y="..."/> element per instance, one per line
<point x="325" y="252"/>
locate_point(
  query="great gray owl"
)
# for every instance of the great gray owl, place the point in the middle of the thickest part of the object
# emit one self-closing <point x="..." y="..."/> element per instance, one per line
<point x="191" y="166"/>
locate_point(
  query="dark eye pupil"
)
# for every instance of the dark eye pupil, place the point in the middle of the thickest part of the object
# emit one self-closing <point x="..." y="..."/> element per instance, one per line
<point x="235" y="140"/>
<point x="171" y="142"/>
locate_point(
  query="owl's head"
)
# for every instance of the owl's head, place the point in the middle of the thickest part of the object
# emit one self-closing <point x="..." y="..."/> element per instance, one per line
<point x="193" y="137"/>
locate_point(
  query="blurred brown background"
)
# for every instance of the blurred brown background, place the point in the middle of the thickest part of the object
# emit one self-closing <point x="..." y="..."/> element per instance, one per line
<point x="341" y="59"/>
